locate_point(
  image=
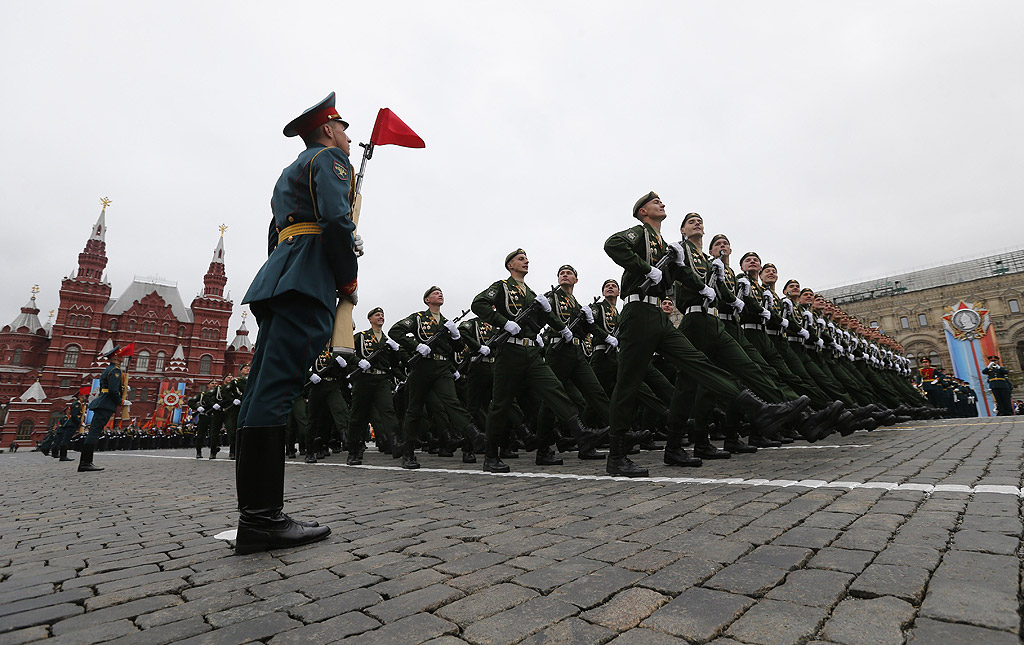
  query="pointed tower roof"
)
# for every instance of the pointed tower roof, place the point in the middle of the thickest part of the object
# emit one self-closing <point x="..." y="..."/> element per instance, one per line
<point x="177" y="362"/>
<point x="33" y="393"/>
<point x="99" y="229"/>
<point x="241" y="341"/>
<point x="48" y="327"/>
<point x="29" y="316"/>
<point x="218" y="253"/>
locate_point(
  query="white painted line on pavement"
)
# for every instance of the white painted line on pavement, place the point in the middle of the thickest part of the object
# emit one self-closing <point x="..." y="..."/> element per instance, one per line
<point x="731" y="481"/>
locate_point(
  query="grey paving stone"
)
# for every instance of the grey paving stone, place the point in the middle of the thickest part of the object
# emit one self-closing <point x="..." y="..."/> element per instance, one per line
<point x="640" y="636"/>
<point x="649" y="561"/>
<point x="596" y="587"/>
<point x="781" y="557"/>
<point x="99" y="633"/>
<point x="877" y="621"/>
<point x="807" y="536"/>
<point x="698" y="614"/>
<point x="38" y="602"/>
<point x="484" y="578"/>
<point x="903" y="582"/>
<point x="547" y="578"/>
<point x="626" y="609"/>
<point x="350" y="601"/>
<point x="746" y="578"/>
<point x="134" y="593"/>
<point x="571" y="631"/>
<point x="409" y="582"/>
<point x="469" y="564"/>
<point x="846" y="560"/>
<point x="812" y="587"/>
<point x="341" y="585"/>
<point x="260" y="628"/>
<point x="117" y="574"/>
<point x="285" y="602"/>
<point x="302" y="582"/>
<point x="910" y="556"/>
<point x="228" y="586"/>
<point x="117" y="612"/>
<point x="864" y="539"/>
<point x="986" y="542"/>
<point x="411" y="630"/>
<point x="166" y="633"/>
<point x="928" y="632"/>
<point x="486" y="603"/>
<point x="772" y="622"/>
<point x="681" y="575"/>
<point x="615" y="551"/>
<point x="513" y="625"/>
<point x="200" y="607"/>
<point x="975" y="588"/>
<point x="337" y="628"/>
<point x="26" y="635"/>
<point x="40" y="616"/>
<point x="423" y="600"/>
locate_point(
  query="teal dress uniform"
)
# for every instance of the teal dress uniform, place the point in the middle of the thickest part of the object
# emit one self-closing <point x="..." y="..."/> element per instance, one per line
<point x="103" y="407"/>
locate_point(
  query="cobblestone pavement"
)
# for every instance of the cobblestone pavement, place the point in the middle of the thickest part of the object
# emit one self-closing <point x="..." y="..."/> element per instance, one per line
<point x="901" y="535"/>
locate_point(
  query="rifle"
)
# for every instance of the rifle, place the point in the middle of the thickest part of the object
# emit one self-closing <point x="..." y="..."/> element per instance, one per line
<point x="669" y="256"/>
<point x="527" y="311"/>
<point x="369" y="358"/>
<point x="416" y="357"/>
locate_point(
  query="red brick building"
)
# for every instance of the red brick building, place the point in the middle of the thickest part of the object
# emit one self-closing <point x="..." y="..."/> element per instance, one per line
<point x="42" y="366"/>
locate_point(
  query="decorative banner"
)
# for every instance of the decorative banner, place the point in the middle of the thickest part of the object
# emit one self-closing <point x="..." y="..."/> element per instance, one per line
<point x="92" y="393"/>
<point x="176" y="417"/>
<point x="971" y="339"/>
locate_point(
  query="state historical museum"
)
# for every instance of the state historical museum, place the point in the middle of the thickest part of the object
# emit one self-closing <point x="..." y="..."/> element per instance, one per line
<point x="42" y="366"/>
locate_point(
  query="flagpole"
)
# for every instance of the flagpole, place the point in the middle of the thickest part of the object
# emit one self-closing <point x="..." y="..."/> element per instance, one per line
<point x="343" y="339"/>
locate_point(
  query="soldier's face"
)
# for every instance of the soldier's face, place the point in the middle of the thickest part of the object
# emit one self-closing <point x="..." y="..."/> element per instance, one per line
<point x="692" y="226"/>
<point x="666" y="306"/>
<point x="435" y="297"/>
<point x="769" y="275"/>
<point x="751" y="263"/>
<point x="793" y="290"/>
<point x="377" y="319"/>
<point x="611" y="290"/>
<point x="567" y="277"/>
<point x="719" y="246"/>
<point x="245" y="371"/>
<point x="520" y="264"/>
<point x="806" y="298"/>
<point x="654" y="209"/>
<point x="339" y="136"/>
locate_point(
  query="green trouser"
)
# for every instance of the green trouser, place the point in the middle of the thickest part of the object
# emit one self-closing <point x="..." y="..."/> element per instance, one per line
<point x="431" y="376"/>
<point x="887" y="395"/>
<point x="520" y="371"/>
<point x="844" y="372"/>
<point x="569" y="364"/>
<point x="643" y="330"/>
<point x="202" y="430"/>
<point x="654" y="394"/>
<point x="327" y="406"/>
<point x="908" y="393"/>
<point x="480" y="389"/>
<point x="788" y="382"/>
<point x="297" y="425"/>
<point x="372" y="401"/>
<point x="808" y="385"/>
<point x="231" y="425"/>
<point x="438" y="421"/>
<point x="824" y="377"/>
<point x="216" y="423"/>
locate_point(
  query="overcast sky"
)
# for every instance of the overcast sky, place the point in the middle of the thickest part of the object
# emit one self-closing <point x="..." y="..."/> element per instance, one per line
<point x="842" y="141"/>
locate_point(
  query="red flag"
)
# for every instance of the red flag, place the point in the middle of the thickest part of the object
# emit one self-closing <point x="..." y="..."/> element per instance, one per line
<point x="389" y="129"/>
<point x="127" y="350"/>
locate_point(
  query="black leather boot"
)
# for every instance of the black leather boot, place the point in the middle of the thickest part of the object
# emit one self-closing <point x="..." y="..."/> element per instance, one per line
<point x="493" y="463"/>
<point x="619" y="465"/>
<point x="85" y="464"/>
<point x="736" y="445"/>
<point x="770" y="418"/>
<point x="468" y="457"/>
<point x="545" y="457"/>
<point x="259" y="481"/>
<point x="676" y="456"/>
<point x="355" y="455"/>
<point x="476" y="439"/>
<point x="64" y="454"/>
<point x="709" y="451"/>
<point x="409" y="461"/>
<point x="586" y="438"/>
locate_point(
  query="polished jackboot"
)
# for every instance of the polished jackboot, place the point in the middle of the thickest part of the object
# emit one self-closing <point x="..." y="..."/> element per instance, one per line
<point x="587" y="439"/>
<point x="547" y="457"/>
<point x="769" y="418"/>
<point x="618" y="463"/>
<point x="85" y="464"/>
<point x="493" y="463"/>
<point x="64" y="454"/>
<point x="259" y="480"/>
<point x="474" y="438"/>
<point x="409" y="461"/>
<point x="676" y="456"/>
<point x="355" y="454"/>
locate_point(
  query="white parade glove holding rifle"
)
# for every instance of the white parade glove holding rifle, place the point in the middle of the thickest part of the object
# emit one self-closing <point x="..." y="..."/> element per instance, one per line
<point x="453" y="331"/>
<point x="708" y="293"/>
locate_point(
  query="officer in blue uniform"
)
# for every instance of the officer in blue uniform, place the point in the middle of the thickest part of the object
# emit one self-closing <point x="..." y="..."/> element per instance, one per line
<point x="105" y="404"/>
<point x="311" y="263"/>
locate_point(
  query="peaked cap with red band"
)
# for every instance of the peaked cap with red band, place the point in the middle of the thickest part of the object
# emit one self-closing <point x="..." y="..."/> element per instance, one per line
<point x="313" y="118"/>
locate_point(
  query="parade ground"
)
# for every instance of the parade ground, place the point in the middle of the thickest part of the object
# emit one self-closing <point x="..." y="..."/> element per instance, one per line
<point x="905" y="534"/>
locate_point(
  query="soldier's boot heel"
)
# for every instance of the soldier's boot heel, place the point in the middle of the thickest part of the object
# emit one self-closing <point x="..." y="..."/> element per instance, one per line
<point x="619" y="465"/>
<point x="85" y="464"/>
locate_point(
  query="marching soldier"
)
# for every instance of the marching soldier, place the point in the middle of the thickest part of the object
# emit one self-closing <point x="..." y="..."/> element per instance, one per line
<point x="213" y="400"/>
<point x="326" y="403"/>
<point x="70" y="425"/>
<point x="376" y="356"/>
<point x="235" y="393"/>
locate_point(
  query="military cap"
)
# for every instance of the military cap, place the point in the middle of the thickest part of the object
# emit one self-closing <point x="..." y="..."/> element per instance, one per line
<point x="720" y="236"/>
<point x="508" y="258"/>
<point x="313" y="118"/>
<point x="691" y="215"/>
<point x="568" y="266"/>
<point x="765" y="266"/>
<point x="609" y="281"/>
<point x="750" y="254"/>
<point x="807" y="290"/>
<point x="430" y="291"/>
<point x="377" y="310"/>
<point x="993" y="358"/>
<point x="640" y="203"/>
<point x="789" y="282"/>
<point x="111" y="352"/>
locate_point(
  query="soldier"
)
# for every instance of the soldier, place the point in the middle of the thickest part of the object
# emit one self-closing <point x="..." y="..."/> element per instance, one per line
<point x="433" y="373"/>
<point x="235" y="393"/>
<point x="212" y="401"/>
<point x="645" y="329"/>
<point x="376" y="356"/>
<point x="312" y="262"/>
<point x="476" y="368"/>
<point x="326" y="404"/>
<point x="110" y="398"/>
<point x="71" y="424"/>
<point x="999" y="383"/>
<point x="511" y="306"/>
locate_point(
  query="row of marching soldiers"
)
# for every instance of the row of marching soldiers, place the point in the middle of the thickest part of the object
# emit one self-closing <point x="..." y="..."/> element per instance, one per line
<point x="545" y="373"/>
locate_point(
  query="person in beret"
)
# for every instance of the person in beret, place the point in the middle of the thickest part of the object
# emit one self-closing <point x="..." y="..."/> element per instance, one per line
<point x="376" y="355"/>
<point x="312" y="262"/>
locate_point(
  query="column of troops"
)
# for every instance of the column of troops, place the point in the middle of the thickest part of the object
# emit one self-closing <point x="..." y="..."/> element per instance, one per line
<point x="749" y="365"/>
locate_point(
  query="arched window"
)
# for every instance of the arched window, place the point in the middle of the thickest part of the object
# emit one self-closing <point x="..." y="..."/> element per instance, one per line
<point x="904" y="322"/>
<point x="166" y="328"/>
<point x="158" y="366"/>
<point x="71" y="356"/>
<point x="16" y="359"/>
<point x="181" y="331"/>
<point x="205" y="364"/>
<point x="113" y="324"/>
<point x="131" y="325"/>
<point x="25" y="429"/>
<point x="142" y="361"/>
<point x="922" y="320"/>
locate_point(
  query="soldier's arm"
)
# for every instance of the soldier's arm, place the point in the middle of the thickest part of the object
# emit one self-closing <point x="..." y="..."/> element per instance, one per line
<point x="487" y="303"/>
<point x="468" y="336"/>
<point x="330" y="173"/>
<point x="620" y="249"/>
<point x="401" y="332"/>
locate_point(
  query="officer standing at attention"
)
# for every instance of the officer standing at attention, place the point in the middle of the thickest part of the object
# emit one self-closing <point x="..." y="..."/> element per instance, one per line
<point x="312" y="262"/>
<point x="999" y="383"/>
<point x="110" y="398"/>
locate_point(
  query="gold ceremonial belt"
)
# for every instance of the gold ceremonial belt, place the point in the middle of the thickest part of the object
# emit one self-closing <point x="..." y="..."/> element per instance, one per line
<point x="302" y="228"/>
<point x="104" y="390"/>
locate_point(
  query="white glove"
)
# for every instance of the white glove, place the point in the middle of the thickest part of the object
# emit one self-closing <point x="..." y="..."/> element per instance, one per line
<point x="765" y="314"/>
<point x="803" y="333"/>
<point x="357" y="245"/>
<point x="820" y="322"/>
<point x="680" y="254"/>
<point x="708" y="293"/>
<point x="744" y="284"/>
<point x="836" y="346"/>
<point x="200" y="409"/>
<point x="422" y="349"/>
<point x="820" y="343"/>
<point x="216" y="406"/>
<point x="737" y="305"/>
<point x="457" y="375"/>
<point x="769" y="298"/>
<point x="452" y="330"/>
<point x="566" y="334"/>
<point x="391" y="343"/>
<point x="540" y="340"/>
<point x="719" y="268"/>
<point x="787" y="304"/>
<point x="654" y="275"/>
<point x="588" y="314"/>
<point x="809" y="317"/>
<point x="512" y="328"/>
<point x="363" y="364"/>
<point x="543" y="303"/>
<point x="484" y="350"/>
<point x="340" y="361"/>
<point x="785" y="324"/>
<point x="236" y="402"/>
<point x="611" y="340"/>
<point x="314" y="378"/>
